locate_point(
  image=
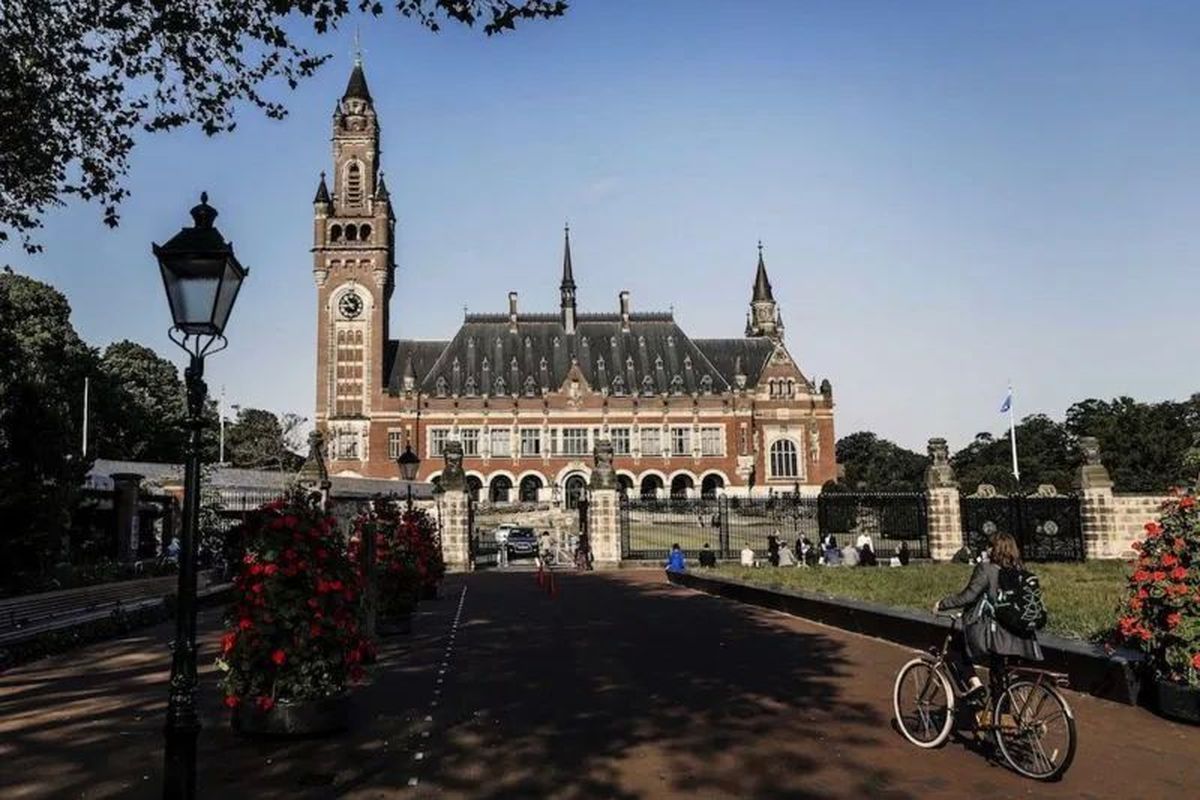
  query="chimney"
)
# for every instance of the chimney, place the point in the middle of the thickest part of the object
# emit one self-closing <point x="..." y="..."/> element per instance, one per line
<point x="512" y="312"/>
<point x="624" y="310"/>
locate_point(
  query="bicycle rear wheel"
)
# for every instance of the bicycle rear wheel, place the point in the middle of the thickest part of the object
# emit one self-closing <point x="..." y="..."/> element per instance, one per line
<point x="1035" y="730"/>
<point x="923" y="702"/>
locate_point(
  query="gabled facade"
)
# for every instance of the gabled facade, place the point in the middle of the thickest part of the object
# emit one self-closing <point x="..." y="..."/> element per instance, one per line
<point x="528" y="395"/>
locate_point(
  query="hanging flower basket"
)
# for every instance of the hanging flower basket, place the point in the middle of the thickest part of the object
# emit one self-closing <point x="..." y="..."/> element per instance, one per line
<point x="292" y="645"/>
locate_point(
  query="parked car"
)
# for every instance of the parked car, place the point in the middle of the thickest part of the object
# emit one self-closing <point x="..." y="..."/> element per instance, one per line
<point x="521" y="542"/>
<point x="501" y="531"/>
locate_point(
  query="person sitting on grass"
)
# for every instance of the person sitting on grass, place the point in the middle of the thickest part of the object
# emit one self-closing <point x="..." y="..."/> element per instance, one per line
<point x="902" y="555"/>
<point x="747" y="556"/>
<point x="831" y="554"/>
<point x="707" y="557"/>
<point x="773" y="550"/>
<point x="675" y="561"/>
<point x="866" y="556"/>
<point x="981" y="636"/>
<point x="786" y="557"/>
<point x="850" y="555"/>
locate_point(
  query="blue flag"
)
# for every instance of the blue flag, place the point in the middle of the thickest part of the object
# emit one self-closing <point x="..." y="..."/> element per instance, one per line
<point x="1007" y="404"/>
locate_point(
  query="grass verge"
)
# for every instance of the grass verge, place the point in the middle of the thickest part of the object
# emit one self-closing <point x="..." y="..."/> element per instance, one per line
<point x="1082" y="599"/>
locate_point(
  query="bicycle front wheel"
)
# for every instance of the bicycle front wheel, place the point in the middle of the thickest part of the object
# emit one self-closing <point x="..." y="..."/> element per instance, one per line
<point x="1035" y="730"/>
<point x="923" y="702"/>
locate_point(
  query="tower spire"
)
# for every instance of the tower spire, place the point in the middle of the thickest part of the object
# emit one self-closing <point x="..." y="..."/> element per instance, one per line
<point x="567" y="287"/>
<point x="763" y="319"/>
<point x="762" y="284"/>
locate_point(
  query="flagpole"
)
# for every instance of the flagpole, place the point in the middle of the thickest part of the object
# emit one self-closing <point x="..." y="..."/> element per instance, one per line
<point x="86" y="386"/>
<point x="221" y="415"/>
<point x="1012" y="435"/>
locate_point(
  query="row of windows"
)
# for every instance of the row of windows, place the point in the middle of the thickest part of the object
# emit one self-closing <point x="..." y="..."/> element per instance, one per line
<point x="351" y="233"/>
<point x="530" y="386"/>
<point x="580" y="441"/>
<point x="782" y="388"/>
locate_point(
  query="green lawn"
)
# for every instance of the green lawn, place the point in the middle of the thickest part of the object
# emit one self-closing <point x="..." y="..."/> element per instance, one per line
<point x="1082" y="598"/>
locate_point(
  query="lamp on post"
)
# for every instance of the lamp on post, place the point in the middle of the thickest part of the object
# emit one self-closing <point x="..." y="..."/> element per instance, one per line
<point x="409" y="462"/>
<point x="202" y="278"/>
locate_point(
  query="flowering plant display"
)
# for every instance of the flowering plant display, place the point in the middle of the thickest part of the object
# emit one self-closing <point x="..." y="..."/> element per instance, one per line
<point x="1161" y="614"/>
<point x="292" y="630"/>
<point x="407" y="551"/>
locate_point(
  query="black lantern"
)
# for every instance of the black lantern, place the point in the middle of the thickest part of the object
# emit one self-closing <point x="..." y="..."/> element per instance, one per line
<point x="409" y="462"/>
<point x="201" y="274"/>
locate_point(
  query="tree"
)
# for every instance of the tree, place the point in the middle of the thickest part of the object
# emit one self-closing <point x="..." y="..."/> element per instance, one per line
<point x="43" y="363"/>
<point x="140" y="408"/>
<point x="878" y="465"/>
<point x="1147" y="447"/>
<point x="1046" y="451"/>
<point x="260" y="440"/>
<point x="79" y="79"/>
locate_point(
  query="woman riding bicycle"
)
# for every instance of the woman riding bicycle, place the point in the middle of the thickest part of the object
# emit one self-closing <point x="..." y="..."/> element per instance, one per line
<point x="982" y="636"/>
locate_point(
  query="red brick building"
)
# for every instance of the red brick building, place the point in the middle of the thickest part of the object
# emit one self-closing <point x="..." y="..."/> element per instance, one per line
<point x="528" y="395"/>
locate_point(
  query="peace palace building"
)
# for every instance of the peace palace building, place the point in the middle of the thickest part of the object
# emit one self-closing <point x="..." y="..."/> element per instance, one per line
<point x="529" y="395"/>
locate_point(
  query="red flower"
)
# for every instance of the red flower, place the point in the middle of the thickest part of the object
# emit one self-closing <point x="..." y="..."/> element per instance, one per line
<point x="1196" y="660"/>
<point x="1159" y="575"/>
<point x="227" y="642"/>
<point x="245" y="623"/>
<point x="1173" y="619"/>
<point x="1141" y="576"/>
<point x="1187" y="501"/>
<point x="1170" y="560"/>
<point x="279" y="657"/>
<point x="1136" y="545"/>
<point x="256" y="569"/>
<point x="1135" y="604"/>
<point x="266" y="703"/>
<point x="1178" y="574"/>
<point x="270" y="569"/>
<point x="257" y="588"/>
<point x="1153" y="529"/>
<point x="232" y="701"/>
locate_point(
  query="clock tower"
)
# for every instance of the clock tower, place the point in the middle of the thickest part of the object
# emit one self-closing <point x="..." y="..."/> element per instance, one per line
<point x="353" y="266"/>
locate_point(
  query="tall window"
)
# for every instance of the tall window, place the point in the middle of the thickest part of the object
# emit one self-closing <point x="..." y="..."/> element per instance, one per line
<point x="784" y="463"/>
<point x="500" y="443"/>
<point x="348" y="367"/>
<point x="651" y="441"/>
<point x="531" y="441"/>
<point x="354" y="183"/>
<point x="681" y="441"/>
<point x="395" y="444"/>
<point x="620" y="441"/>
<point x="470" y="441"/>
<point x="712" y="442"/>
<point x="347" y="445"/>
<point x="437" y="441"/>
<point x="574" y="441"/>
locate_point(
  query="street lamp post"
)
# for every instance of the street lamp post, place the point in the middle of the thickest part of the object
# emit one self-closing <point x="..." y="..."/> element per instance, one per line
<point x="409" y="462"/>
<point x="202" y="277"/>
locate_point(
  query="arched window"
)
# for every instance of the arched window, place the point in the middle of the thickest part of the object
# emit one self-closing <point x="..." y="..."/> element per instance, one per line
<point x="351" y="233"/>
<point x="706" y="384"/>
<point x="528" y="490"/>
<point x="499" y="386"/>
<point x="364" y="233"/>
<point x="618" y="385"/>
<point x="470" y="386"/>
<point x="335" y="233"/>
<point x="651" y="486"/>
<point x="784" y="463"/>
<point x="647" y="385"/>
<point x="530" y="386"/>
<point x="474" y="486"/>
<point x="624" y="484"/>
<point x="681" y="485"/>
<point x="500" y="489"/>
<point x="354" y="188"/>
<point x="441" y="386"/>
<point x="711" y="485"/>
<point x="677" y="384"/>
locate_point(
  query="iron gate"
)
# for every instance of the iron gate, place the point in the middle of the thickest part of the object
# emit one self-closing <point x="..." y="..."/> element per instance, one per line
<point x="1048" y="528"/>
<point x="650" y="526"/>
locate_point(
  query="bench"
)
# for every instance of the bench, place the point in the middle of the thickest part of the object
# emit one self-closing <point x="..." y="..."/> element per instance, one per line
<point x="30" y="615"/>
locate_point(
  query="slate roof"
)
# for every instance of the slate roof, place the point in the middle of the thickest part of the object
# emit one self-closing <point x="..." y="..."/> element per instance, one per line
<point x="357" y="85"/>
<point x="653" y="355"/>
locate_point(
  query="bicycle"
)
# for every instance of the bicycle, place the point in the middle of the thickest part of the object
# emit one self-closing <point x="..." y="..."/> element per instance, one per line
<point x="1022" y="708"/>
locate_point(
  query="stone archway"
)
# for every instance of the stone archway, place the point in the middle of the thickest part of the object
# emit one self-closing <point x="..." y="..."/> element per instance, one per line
<point x="681" y="485"/>
<point x="711" y="484"/>
<point x="500" y="489"/>
<point x="651" y="486"/>
<point x="528" y="489"/>
<point x="474" y="486"/>
<point x="574" y="489"/>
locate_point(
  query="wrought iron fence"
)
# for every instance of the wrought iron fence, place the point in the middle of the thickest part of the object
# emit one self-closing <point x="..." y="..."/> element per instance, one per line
<point x="1047" y="528"/>
<point x="649" y="527"/>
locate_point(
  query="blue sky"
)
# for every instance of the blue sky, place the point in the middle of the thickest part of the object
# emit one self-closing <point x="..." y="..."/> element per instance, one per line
<point x="951" y="195"/>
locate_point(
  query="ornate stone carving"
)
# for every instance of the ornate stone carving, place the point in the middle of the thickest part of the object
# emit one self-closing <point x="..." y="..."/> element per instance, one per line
<point x="1092" y="474"/>
<point x="603" y="474"/>
<point x="453" y="477"/>
<point x="1047" y="490"/>
<point x="986" y="490"/>
<point x="814" y="442"/>
<point x="939" y="474"/>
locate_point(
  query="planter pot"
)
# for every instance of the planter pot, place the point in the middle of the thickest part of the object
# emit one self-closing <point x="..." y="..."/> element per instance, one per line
<point x="1178" y="702"/>
<point x="431" y="591"/>
<point x="394" y="626"/>
<point x="295" y="718"/>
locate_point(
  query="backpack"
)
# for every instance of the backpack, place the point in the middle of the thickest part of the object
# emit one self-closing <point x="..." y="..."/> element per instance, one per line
<point x="1019" y="606"/>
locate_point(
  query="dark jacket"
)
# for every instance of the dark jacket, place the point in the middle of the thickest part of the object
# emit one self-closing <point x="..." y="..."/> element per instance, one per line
<point x="983" y="634"/>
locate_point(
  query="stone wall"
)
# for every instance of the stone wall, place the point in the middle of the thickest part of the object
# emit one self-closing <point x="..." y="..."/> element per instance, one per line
<point x="1130" y="514"/>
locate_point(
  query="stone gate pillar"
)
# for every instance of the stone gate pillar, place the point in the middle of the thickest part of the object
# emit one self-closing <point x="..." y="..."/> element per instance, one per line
<point x="456" y="516"/>
<point x="1096" y="503"/>
<point x="603" y="525"/>
<point x="126" y="486"/>
<point x="945" y="512"/>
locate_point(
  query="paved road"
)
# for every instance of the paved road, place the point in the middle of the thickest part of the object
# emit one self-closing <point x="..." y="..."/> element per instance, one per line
<point x="622" y="687"/>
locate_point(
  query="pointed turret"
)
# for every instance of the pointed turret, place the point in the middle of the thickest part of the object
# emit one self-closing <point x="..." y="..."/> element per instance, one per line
<point x="381" y="191"/>
<point x="764" y="319"/>
<point x="567" y="287"/>
<point x="356" y="88"/>
<point x="322" y="197"/>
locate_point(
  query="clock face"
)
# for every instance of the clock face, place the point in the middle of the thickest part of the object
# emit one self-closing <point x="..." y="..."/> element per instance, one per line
<point x="351" y="305"/>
